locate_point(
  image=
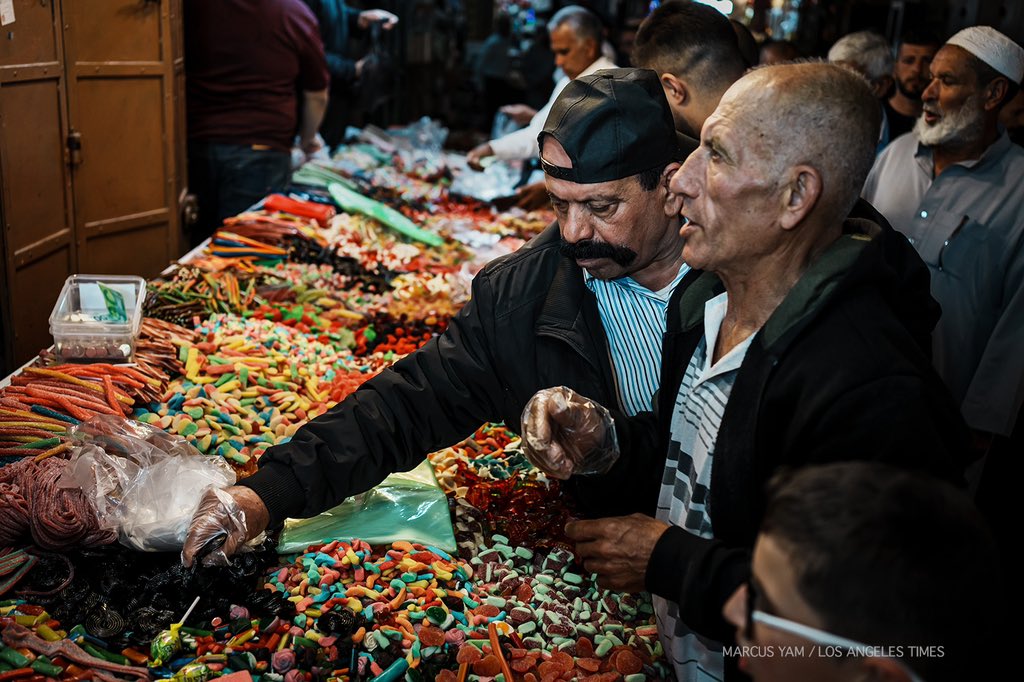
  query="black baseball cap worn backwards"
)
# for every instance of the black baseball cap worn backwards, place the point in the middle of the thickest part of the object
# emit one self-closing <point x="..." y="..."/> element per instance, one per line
<point x="613" y="124"/>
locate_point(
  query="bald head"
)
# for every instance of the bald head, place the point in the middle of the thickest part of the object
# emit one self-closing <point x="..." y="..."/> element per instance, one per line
<point x="817" y="114"/>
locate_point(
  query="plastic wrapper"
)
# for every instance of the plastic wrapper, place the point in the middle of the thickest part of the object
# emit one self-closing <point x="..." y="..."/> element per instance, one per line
<point x="143" y="482"/>
<point x="566" y="434"/>
<point x="406" y="506"/>
<point x="498" y="179"/>
<point x="219" y="529"/>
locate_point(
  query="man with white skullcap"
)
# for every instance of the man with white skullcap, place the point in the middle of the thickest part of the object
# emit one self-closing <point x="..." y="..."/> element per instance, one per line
<point x="954" y="188"/>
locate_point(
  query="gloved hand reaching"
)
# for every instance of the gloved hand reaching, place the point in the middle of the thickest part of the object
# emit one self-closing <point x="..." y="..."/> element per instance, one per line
<point x="224" y="521"/>
<point x="566" y="434"/>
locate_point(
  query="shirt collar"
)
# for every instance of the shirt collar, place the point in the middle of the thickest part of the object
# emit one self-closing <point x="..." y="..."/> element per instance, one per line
<point x="714" y="314"/>
<point x="601" y="62"/>
<point x="924" y="157"/>
<point x="630" y="284"/>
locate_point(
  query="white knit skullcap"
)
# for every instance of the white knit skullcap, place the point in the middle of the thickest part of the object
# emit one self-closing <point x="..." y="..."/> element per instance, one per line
<point x="993" y="48"/>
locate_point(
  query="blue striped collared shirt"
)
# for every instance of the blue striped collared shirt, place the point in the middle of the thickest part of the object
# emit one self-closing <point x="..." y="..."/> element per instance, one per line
<point x="634" y="319"/>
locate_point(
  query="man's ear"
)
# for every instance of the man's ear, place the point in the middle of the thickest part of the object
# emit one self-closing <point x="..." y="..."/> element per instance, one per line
<point x="675" y="89"/>
<point x="882" y="86"/>
<point x="878" y="669"/>
<point x="800" y="195"/>
<point x="673" y="201"/>
<point x="995" y="93"/>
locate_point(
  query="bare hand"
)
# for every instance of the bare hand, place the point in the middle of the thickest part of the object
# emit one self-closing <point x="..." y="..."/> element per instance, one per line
<point x="520" y="113"/>
<point x="387" y="19"/>
<point x="565" y="433"/>
<point x="311" y="146"/>
<point x="228" y="518"/>
<point x="617" y="549"/>
<point x="533" y="197"/>
<point x="477" y="155"/>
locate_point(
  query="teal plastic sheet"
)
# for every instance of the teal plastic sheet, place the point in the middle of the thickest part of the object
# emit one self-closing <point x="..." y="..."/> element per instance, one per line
<point x="406" y="506"/>
<point x="354" y="202"/>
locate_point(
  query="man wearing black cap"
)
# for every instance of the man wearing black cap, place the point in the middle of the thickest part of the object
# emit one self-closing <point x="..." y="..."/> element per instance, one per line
<point x="798" y="344"/>
<point x="566" y="309"/>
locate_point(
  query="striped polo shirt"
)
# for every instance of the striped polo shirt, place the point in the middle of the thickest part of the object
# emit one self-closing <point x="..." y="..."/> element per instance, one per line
<point x="634" y="319"/>
<point x="686" y="483"/>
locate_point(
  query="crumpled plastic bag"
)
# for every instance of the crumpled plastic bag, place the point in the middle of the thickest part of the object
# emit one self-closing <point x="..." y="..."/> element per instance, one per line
<point x="408" y="506"/>
<point x="566" y="434"/>
<point x="143" y="482"/>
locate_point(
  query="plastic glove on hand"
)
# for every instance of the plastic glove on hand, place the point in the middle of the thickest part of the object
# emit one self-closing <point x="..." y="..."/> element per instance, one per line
<point x="565" y="434"/>
<point x="224" y="521"/>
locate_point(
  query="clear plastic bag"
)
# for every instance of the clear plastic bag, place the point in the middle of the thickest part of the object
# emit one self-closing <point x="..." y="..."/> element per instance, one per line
<point x="406" y="506"/>
<point x="142" y="481"/>
<point x="567" y="434"/>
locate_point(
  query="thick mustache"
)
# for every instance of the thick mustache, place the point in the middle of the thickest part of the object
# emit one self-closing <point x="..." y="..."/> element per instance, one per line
<point x="588" y="249"/>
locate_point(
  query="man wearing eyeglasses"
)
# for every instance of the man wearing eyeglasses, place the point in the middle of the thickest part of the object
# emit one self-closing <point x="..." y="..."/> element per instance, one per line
<point x="862" y="571"/>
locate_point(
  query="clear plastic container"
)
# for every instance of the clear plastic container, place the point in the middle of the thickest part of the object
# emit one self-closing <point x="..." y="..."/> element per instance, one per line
<point x="97" y="318"/>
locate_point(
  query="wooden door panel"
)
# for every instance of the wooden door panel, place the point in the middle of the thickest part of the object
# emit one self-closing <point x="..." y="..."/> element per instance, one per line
<point x="35" y="170"/>
<point x="35" y="198"/>
<point x="120" y="89"/>
<point x="122" y="168"/>
<point x="31" y="38"/>
<point x="114" y="30"/>
<point x="106" y="251"/>
<point x="35" y="290"/>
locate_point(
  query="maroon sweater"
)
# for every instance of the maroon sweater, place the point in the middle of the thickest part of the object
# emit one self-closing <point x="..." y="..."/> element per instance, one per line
<point x="246" y="65"/>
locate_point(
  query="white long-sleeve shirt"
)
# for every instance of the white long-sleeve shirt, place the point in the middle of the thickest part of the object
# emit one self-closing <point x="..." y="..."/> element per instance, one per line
<point x="522" y="144"/>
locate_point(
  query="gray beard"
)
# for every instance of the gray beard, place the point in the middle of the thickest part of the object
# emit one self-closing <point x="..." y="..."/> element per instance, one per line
<point x="956" y="128"/>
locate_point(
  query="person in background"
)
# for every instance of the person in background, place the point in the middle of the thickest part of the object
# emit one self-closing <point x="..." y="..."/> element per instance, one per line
<point x="576" y="38"/>
<point x="493" y="64"/>
<point x="868" y="53"/>
<point x="778" y="52"/>
<point x="864" y="572"/>
<point x="953" y="187"/>
<point x="538" y="67"/>
<point x="694" y="49"/>
<point x="910" y="72"/>
<point x="794" y="343"/>
<point x="245" y="88"/>
<point x="1012" y="118"/>
<point x="567" y="308"/>
<point x="337" y="22"/>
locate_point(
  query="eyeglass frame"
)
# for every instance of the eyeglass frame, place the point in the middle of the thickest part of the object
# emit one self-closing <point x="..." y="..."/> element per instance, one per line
<point x="811" y="634"/>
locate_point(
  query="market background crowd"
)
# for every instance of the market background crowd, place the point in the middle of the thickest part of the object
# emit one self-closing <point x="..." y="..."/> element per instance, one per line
<point x="946" y="176"/>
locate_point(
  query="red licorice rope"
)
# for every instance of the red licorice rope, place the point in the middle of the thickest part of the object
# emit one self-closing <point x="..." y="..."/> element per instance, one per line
<point x="57" y="518"/>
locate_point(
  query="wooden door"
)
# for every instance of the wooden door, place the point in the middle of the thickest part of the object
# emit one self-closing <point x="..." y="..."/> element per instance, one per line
<point x="92" y="152"/>
<point x="35" y="186"/>
<point x="121" y="96"/>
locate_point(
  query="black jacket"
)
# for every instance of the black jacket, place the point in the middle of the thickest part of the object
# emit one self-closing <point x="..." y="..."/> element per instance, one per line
<point x="531" y="324"/>
<point x="838" y="372"/>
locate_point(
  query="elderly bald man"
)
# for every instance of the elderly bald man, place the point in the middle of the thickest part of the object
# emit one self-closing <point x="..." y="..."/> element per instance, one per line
<point x="788" y="348"/>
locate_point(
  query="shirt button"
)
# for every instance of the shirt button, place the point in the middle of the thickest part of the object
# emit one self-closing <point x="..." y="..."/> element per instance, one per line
<point x="924" y="214"/>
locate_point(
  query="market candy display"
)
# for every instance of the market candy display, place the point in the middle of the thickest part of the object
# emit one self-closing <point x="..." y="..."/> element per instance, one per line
<point x="289" y="311"/>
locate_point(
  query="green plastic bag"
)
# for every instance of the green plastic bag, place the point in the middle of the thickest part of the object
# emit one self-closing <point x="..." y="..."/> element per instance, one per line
<point x="354" y="202"/>
<point x="406" y="506"/>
